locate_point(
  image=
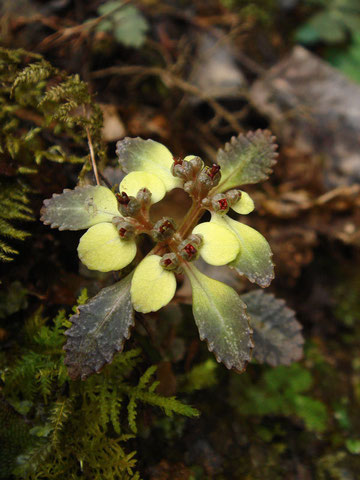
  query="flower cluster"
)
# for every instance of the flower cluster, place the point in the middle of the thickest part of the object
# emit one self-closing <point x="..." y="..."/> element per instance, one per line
<point x="110" y="243"/>
<point x="115" y="220"/>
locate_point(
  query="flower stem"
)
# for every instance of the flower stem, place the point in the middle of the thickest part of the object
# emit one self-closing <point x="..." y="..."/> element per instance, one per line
<point x="194" y="214"/>
<point x="92" y="156"/>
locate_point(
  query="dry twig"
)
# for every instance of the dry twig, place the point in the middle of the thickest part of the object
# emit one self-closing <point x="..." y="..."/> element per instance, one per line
<point x="171" y="80"/>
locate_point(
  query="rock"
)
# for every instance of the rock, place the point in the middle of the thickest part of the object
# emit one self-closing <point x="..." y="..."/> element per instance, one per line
<point x="113" y="128"/>
<point x="215" y="71"/>
<point x="316" y="109"/>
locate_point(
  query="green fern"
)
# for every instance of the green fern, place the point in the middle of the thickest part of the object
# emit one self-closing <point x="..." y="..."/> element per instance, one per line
<point x="38" y="101"/>
<point x="13" y="208"/>
<point x="77" y="426"/>
<point x="33" y="74"/>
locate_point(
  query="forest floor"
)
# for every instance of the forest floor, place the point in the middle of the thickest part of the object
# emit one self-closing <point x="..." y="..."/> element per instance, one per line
<point x="191" y="75"/>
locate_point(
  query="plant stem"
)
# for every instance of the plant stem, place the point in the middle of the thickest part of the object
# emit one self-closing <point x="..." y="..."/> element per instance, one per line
<point x="190" y="220"/>
<point x="92" y="156"/>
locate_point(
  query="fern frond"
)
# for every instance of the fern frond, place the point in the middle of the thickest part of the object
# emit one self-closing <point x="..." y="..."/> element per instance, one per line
<point x="6" y="251"/>
<point x="30" y="461"/>
<point x="13" y="207"/>
<point x="132" y="412"/>
<point x="115" y="407"/>
<point x="146" y="377"/>
<point x="128" y="359"/>
<point x="44" y="380"/>
<point x="34" y="73"/>
<point x="170" y="405"/>
<point x="8" y="55"/>
<point x="82" y="299"/>
<point x="7" y="230"/>
<point x="50" y="100"/>
<point x="59" y="415"/>
<point x="103" y="407"/>
<point x="78" y="426"/>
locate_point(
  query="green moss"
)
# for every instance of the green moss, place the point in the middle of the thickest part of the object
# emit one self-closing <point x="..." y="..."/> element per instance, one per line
<point x="64" y="429"/>
<point x="280" y="391"/>
<point x="347" y="298"/>
<point x="38" y="103"/>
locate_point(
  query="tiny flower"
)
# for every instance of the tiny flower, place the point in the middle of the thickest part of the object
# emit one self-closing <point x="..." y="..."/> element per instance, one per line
<point x="189" y="248"/>
<point x="170" y="262"/>
<point x="163" y="229"/>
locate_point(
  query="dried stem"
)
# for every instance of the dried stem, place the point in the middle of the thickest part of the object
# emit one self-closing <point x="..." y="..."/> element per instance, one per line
<point x="190" y="220"/>
<point x="171" y="80"/>
<point x="92" y="156"/>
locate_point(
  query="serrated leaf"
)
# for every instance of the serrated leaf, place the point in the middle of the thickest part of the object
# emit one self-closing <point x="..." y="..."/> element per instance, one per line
<point x="221" y="318"/>
<point x="277" y="333"/>
<point x="254" y="258"/>
<point x="99" y="330"/>
<point x="80" y="208"/>
<point x="246" y="159"/>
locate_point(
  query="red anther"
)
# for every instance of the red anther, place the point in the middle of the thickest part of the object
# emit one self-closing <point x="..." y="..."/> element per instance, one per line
<point x="213" y="170"/>
<point x="190" y="249"/>
<point x="167" y="262"/>
<point x="178" y="161"/>
<point x="165" y="226"/>
<point x="122" y="232"/>
<point x="223" y="204"/>
<point x="122" y="198"/>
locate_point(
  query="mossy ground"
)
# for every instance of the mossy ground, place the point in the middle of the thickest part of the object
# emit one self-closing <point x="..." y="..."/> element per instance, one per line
<point x="299" y="422"/>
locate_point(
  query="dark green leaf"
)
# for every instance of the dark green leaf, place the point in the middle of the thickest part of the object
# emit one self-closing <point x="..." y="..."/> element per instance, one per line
<point x="277" y="334"/>
<point x="221" y="318"/>
<point x="99" y="330"/>
<point x="80" y="208"/>
<point x="246" y="159"/>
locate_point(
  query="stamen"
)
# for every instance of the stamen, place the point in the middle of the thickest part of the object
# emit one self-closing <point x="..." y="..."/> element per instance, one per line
<point x="165" y="226"/>
<point x="122" y="198"/>
<point x="223" y="204"/>
<point x="170" y="262"/>
<point x="213" y="171"/>
<point x="190" y="249"/>
<point x="163" y="229"/>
